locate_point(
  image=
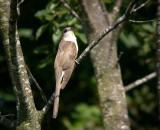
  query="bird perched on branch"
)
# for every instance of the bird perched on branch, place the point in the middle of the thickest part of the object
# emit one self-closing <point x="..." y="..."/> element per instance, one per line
<point x="64" y="63"/>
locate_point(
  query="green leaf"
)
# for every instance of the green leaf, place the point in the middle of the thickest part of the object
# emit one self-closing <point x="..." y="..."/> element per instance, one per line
<point x="26" y="32"/>
<point x="42" y="65"/>
<point x="148" y="27"/>
<point x="7" y="96"/>
<point x="40" y="14"/>
<point x="56" y="36"/>
<point x="82" y="37"/>
<point x="129" y="40"/>
<point x="72" y="22"/>
<point x="41" y="30"/>
<point x="41" y="50"/>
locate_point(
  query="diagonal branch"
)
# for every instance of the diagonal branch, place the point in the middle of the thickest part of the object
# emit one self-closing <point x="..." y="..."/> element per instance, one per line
<point x="116" y="7"/>
<point x="37" y="85"/>
<point x="48" y="105"/>
<point x="140" y="81"/>
<point x="67" y="6"/>
<point x="22" y="80"/>
<point x="4" y="31"/>
<point x="141" y="6"/>
<point x="120" y="20"/>
<point x="140" y="22"/>
<point x="7" y="122"/>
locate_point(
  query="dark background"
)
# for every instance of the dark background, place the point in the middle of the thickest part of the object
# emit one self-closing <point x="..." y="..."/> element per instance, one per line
<point x="40" y="26"/>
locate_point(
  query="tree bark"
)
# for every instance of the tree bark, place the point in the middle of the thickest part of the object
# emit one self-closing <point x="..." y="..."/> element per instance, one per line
<point x="158" y="59"/>
<point x="104" y="58"/>
<point x="25" y="104"/>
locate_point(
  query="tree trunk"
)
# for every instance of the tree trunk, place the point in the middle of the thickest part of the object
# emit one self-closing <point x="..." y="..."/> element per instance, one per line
<point x="104" y="58"/>
<point x="158" y="59"/>
<point x="28" y="118"/>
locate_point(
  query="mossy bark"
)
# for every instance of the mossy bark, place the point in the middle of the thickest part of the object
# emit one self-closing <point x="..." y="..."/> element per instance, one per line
<point x="28" y="117"/>
<point x="104" y="58"/>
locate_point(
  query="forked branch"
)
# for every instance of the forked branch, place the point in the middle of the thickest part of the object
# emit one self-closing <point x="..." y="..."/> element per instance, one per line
<point x="140" y="81"/>
<point x="120" y="20"/>
<point x="7" y="122"/>
<point x="67" y="6"/>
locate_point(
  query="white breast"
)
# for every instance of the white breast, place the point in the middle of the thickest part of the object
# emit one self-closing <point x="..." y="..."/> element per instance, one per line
<point x="69" y="36"/>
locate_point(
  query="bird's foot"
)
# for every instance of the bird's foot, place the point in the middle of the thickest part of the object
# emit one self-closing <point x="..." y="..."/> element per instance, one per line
<point x="77" y="62"/>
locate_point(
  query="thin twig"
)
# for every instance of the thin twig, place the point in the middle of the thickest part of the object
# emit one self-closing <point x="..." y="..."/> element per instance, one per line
<point x="18" y="6"/>
<point x="137" y="21"/>
<point x="107" y="30"/>
<point x="141" y="6"/>
<point x="37" y="85"/>
<point x="67" y="6"/>
<point x="48" y="105"/>
<point x="117" y="7"/>
<point x="140" y="81"/>
<point x="20" y="2"/>
<point x="7" y="122"/>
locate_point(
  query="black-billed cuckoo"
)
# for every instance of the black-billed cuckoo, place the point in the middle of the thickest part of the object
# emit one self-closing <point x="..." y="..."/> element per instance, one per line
<point x="64" y="63"/>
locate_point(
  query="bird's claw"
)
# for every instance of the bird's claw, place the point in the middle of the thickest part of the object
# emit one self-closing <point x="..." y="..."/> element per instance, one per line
<point x="77" y="62"/>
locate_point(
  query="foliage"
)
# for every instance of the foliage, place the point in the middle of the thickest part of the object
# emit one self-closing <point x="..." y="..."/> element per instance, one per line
<point x="41" y="24"/>
<point x="84" y="117"/>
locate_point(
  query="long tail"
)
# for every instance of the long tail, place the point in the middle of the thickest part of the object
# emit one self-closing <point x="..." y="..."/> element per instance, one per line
<point x="56" y="101"/>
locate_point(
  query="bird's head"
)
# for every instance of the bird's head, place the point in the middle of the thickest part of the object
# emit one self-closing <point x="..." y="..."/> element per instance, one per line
<point x="67" y="29"/>
<point x="68" y="34"/>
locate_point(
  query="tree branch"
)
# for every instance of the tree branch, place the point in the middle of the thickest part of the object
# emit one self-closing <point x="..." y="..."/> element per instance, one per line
<point x="107" y="30"/>
<point x="22" y="80"/>
<point x="140" y="22"/>
<point x="9" y="35"/>
<point x="4" y="31"/>
<point x="7" y="122"/>
<point x="158" y="58"/>
<point x="37" y="85"/>
<point x="67" y="6"/>
<point x="116" y="7"/>
<point x="48" y="105"/>
<point x="141" y="6"/>
<point x="140" y="81"/>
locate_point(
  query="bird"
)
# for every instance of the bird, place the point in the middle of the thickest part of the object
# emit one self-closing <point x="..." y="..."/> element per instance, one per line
<point x="64" y="64"/>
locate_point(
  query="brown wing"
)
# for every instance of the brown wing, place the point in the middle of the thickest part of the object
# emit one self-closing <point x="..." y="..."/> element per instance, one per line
<point x="67" y="76"/>
<point x="65" y="57"/>
<point x="68" y="54"/>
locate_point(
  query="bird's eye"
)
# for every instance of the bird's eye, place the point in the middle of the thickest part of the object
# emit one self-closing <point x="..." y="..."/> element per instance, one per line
<point x="65" y="30"/>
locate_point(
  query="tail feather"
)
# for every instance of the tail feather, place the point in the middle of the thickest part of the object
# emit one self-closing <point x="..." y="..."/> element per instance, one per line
<point x="56" y="101"/>
<point x="56" y="106"/>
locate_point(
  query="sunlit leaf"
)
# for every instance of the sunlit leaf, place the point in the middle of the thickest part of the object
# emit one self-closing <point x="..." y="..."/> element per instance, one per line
<point x="41" y="50"/>
<point x="148" y="27"/>
<point x="7" y="96"/>
<point x="56" y="36"/>
<point x="40" y="30"/>
<point x="26" y="33"/>
<point x="82" y="37"/>
<point x="42" y="65"/>
<point x="40" y="14"/>
<point x="129" y="40"/>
